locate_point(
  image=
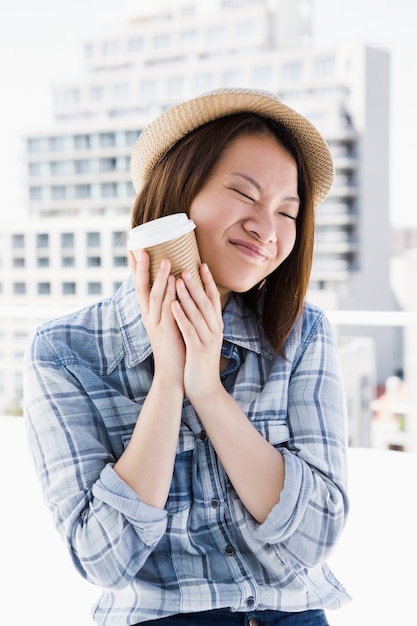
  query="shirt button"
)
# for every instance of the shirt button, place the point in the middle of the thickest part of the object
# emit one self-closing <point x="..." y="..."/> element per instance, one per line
<point x="214" y="503"/>
<point x="203" y="436"/>
<point x="250" y="601"/>
<point x="229" y="550"/>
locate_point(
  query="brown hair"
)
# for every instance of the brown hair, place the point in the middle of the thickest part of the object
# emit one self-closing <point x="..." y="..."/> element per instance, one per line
<point x="179" y="176"/>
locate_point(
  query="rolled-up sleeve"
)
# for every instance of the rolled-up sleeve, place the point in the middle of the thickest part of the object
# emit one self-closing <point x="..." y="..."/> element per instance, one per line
<point x="311" y="514"/>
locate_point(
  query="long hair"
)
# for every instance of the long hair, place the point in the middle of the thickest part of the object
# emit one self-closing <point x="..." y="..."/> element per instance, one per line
<point x="176" y="180"/>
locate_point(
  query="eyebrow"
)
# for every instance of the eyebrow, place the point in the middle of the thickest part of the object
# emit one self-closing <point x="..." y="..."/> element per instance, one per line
<point x="259" y="188"/>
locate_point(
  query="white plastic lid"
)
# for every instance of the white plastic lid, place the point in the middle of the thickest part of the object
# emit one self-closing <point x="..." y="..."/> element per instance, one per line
<point x="159" y="230"/>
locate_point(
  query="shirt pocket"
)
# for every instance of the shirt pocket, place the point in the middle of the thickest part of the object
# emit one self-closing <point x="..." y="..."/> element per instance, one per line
<point x="274" y="430"/>
<point x="181" y="491"/>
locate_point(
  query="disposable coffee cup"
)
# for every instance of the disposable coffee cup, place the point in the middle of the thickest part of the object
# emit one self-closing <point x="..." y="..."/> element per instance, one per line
<point x="171" y="237"/>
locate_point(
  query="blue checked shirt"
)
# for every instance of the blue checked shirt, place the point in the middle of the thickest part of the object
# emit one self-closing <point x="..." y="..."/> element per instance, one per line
<point x="86" y="377"/>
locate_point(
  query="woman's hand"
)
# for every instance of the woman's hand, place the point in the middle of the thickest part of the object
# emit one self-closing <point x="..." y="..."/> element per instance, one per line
<point x="164" y="335"/>
<point x="198" y="313"/>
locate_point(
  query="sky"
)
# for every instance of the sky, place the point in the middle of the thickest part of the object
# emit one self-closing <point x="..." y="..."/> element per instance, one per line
<point x="41" y="44"/>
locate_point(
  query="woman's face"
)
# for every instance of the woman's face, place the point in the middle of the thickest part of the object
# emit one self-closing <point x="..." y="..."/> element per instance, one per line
<point x="245" y="214"/>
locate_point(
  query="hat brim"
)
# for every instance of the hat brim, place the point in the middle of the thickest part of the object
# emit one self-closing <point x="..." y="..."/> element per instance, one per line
<point x="177" y="122"/>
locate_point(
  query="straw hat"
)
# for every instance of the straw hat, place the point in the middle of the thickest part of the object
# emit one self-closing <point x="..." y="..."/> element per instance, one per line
<point x="174" y="123"/>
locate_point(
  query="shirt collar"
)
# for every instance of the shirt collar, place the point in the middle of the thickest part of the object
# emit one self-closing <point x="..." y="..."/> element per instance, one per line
<point x="133" y="333"/>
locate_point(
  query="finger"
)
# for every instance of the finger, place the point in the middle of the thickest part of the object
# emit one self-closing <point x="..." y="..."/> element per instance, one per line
<point x="210" y="286"/>
<point x="199" y="303"/>
<point x="160" y="283"/>
<point x="185" y="326"/>
<point x="195" y="319"/>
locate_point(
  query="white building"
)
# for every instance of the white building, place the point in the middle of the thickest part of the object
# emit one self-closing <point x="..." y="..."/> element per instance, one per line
<point x="71" y="247"/>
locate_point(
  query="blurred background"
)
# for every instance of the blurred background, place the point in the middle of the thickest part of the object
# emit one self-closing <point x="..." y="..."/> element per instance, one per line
<point x="80" y="81"/>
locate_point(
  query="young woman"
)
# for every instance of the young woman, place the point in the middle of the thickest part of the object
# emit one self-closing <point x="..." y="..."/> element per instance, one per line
<point x="190" y="440"/>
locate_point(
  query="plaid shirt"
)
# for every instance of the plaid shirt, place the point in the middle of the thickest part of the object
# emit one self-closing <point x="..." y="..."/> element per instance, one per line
<point x="86" y="377"/>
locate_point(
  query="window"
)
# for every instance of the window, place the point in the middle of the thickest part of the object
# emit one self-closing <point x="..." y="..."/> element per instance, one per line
<point x="136" y="44"/>
<point x="324" y="67"/>
<point x="58" y="192"/>
<point x="43" y="261"/>
<point x="245" y="30"/>
<point x="118" y="238"/>
<point x="131" y="136"/>
<point x="97" y="93"/>
<point x="68" y="289"/>
<point x="35" y="169"/>
<point x="108" y="190"/>
<point x="57" y="144"/>
<point x="121" y="91"/>
<point x="44" y="289"/>
<point x="93" y="240"/>
<point x="110" y="48"/>
<point x="232" y="78"/>
<point x="68" y="261"/>
<point x="292" y="71"/>
<point x="35" y="144"/>
<point x="107" y="165"/>
<point x="83" y="191"/>
<point x="148" y="89"/>
<point x="175" y="86"/>
<point x="71" y="96"/>
<point x="18" y="241"/>
<point x="58" y="168"/>
<point x="119" y="261"/>
<point x="262" y="76"/>
<point x="94" y="261"/>
<point x="35" y="193"/>
<point x="161" y="40"/>
<point x="94" y="289"/>
<point x="19" y="289"/>
<point x="67" y="240"/>
<point x="42" y="240"/>
<point x="88" y="50"/>
<point x="216" y="34"/>
<point x="82" y="166"/>
<point x="81" y="142"/>
<point x="188" y="38"/>
<point x="203" y="82"/>
<point x="107" y="140"/>
<point x="19" y="262"/>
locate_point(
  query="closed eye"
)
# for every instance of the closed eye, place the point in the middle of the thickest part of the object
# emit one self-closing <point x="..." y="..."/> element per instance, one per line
<point x="291" y="217"/>
<point x="242" y="194"/>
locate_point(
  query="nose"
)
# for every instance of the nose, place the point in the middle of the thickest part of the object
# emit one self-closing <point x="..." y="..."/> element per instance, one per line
<point x="262" y="226"/>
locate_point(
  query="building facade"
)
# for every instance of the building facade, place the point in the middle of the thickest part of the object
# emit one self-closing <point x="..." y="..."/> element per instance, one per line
<point x="71" y="249"/>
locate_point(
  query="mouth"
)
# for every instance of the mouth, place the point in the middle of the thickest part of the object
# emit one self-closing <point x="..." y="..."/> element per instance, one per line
<point x="251" y="250"/>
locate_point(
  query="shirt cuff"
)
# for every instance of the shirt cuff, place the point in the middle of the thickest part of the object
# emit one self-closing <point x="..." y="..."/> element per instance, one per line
<point x="286" y="516"/>
<point x="150" y="522"/>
